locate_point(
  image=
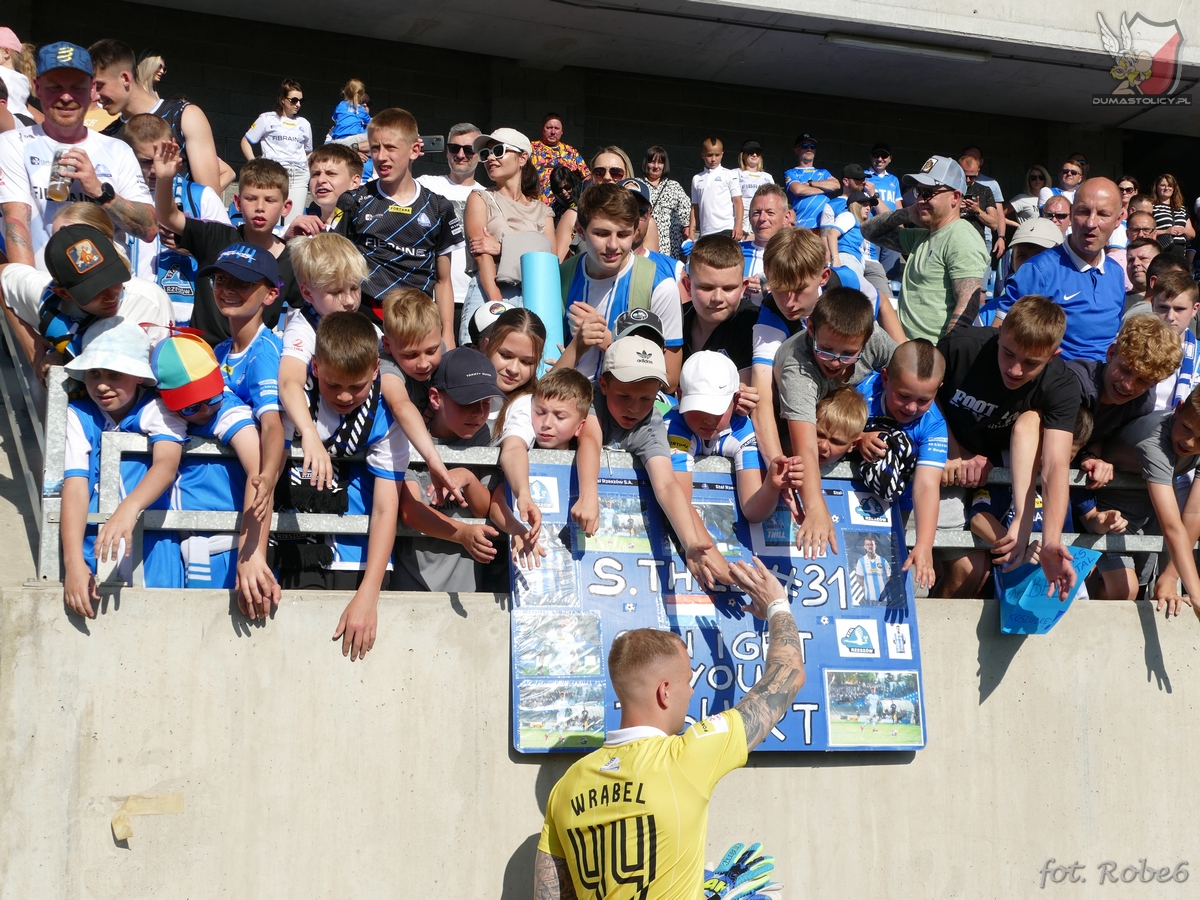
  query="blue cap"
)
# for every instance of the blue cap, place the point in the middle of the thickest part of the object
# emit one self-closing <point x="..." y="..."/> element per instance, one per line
<point x="247" y="262"/>
<point x="64" y="56"/>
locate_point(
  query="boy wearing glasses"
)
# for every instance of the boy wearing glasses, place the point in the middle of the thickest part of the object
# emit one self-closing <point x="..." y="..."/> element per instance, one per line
<point x="406" y="232"/>
<point x="245" y="280"/>
<point x="841" y="346"/>
<point x="806" y="184"/>
<point x="456" y="186"/>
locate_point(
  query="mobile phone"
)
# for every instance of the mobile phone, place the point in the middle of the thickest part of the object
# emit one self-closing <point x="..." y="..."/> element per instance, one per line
<point x="433" y="143"/>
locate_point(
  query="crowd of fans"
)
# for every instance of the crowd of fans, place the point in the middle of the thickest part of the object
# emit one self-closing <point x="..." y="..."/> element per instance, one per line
<point x="347" y="303"/>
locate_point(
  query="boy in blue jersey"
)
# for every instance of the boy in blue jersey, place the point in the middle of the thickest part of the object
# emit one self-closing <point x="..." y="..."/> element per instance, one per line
<point x="115" y="369"/>
<point x="190" y="383"/>
<point x="351" y="418"/>
<point x="609" y="279"/>
<point x="902" y="397"/>
<point x="245" y="279"/>
<point x="808" y="185"/>
<point x="174" y="270"/>
<point x="705" y="424"/>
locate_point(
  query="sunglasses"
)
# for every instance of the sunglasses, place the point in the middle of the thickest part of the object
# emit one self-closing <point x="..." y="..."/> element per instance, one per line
<point x="1128" y="190"/>
<point x="616" y="173"/>
<point x="834" y="357"/>
<point x="294" y="99"/>
<point x="881" y="156"/>
<point x="196" y="407"/>
<point x="1071" y="172"/>
<point x="928" y="193"/>
<point x="1056" y="217"/>
<point x="808" y="146"/>
<point x="457" y="149"/>
<point x="1036" y="176"/>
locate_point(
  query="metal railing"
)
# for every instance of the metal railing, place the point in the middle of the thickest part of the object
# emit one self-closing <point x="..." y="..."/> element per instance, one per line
<point x="114" y="445"/>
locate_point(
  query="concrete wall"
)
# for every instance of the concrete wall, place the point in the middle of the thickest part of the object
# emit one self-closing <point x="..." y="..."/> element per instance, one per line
<point x="306" y="776"/>
<point x="206" y="63"/>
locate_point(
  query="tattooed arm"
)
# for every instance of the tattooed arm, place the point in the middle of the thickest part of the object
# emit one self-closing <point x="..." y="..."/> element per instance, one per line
<point x="17" y="236"/>
<point x="551" y="878"/>
<point x="881" y="230"/>
<point x="135" y="218"/>
<point x="772" y="695"/>
<point x="968" y="294"/>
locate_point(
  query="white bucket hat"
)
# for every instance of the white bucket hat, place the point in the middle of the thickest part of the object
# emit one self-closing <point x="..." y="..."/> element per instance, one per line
<point x="120" y="347"/>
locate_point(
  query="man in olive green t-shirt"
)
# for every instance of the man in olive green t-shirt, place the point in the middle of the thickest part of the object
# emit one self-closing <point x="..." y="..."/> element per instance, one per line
<point x="947" y="259"/>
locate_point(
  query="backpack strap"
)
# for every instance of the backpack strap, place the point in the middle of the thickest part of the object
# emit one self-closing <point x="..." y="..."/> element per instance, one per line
<point x="566" y="274"/>
<point x="641" y="287"/>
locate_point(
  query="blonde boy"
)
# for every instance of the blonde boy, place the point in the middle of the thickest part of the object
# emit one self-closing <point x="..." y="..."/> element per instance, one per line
<point x="716" y="195"/>
<point x="841" y="418"/>
<point x="330" y="272"/>
<point x="405" y="231"/>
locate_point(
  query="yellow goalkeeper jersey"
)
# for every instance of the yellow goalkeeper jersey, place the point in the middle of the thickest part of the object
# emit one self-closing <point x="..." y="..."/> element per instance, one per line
<point x="631" y="818"/>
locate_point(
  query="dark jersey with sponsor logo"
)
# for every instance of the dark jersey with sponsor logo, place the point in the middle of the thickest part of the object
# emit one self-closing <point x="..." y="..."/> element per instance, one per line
<point x="980" y="410"/>
<point x="401" y="243"/>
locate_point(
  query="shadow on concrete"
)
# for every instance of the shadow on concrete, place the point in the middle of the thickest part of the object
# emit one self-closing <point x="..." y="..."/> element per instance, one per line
<point x="242" y="624"/>
<point x="109" y="595"/>
<point x="996" y="649"/>
<point x="1156" y="667"/>
<point x="518" y="874"/>
<point x="830" y="760"/>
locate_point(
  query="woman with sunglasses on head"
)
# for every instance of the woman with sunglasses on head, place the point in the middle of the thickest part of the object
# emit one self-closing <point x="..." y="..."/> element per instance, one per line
<point x="670" y="202"/>
<point x="1170" y="213"/>
<point x="286" y="137"/>
<point x="504" y="222"/>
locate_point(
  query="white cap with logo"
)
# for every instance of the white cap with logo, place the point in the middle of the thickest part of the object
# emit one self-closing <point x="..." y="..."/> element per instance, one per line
<point x="707" y="383"/>
<point x="635" y="359"/>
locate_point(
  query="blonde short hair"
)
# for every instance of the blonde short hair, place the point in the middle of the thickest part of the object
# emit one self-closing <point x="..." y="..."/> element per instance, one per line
<point x="844" y="413"/>
<point x="326" y="260"/>
<point x="1149" y="347"/>
<point x="794" y="258"/>
<point x="408" y="316"/>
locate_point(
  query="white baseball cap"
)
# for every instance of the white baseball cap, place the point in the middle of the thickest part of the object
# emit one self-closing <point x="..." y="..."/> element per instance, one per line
<point x="1039" y="232"/>
<point x="509" y="136"/>
<point x="634" y="359"/>
<point x="707" y="383"/>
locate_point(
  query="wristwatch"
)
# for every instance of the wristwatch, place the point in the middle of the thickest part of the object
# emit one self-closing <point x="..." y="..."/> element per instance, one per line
<point x="107" y="194"/>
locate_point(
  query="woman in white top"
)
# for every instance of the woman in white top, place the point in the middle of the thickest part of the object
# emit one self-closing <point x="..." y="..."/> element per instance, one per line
<point x="752" y="178"/>
<point x="1025" y="206"/>
<point x="512" y="208"/>
<point x="287" y="139"/>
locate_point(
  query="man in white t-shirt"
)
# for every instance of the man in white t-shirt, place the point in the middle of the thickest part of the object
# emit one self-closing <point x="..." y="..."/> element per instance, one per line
<point x="121" y="95"/>
<point x="98" y="168"/>
<point x="456" y="187"/>
<point x="716" y="195"/>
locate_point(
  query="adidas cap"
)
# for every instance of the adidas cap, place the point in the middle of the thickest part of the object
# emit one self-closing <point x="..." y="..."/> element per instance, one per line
<point x="635" y="359"/>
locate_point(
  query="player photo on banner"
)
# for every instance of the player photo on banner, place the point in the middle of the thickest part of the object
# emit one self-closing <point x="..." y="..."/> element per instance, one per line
<point x="875" y="576"/>
<point x="624" y="528"/>
<point x="720" y="518"/>
<point x="560" y="715"/>
<point x="556" y="644"/>
<point x="873" y="708"/>
<point x="553" y="582"/>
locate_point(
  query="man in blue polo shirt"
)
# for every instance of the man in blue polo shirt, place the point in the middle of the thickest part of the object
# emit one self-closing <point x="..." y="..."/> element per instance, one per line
<point x="1077" y="276"/>
<point x="806" y="184"/>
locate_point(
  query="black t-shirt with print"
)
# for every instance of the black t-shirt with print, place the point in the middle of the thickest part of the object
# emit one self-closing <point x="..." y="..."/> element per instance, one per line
<point x="980" y="410"/>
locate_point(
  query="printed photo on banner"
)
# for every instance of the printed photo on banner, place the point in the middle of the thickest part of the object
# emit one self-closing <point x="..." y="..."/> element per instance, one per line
<point x="720" y="518"/>
<point x="554" y="582"/>
<point x="556" y="645"/>
<point x="775" y="535"/>
<point x="560" y="714"/>
<point x="898" y="640"/>
<point x="624" y="528"/>
<point x="874" y="567"/>
<point x="880" y="708"/>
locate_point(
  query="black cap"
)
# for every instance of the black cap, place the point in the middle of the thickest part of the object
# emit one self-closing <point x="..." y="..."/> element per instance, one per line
<point x="862" y="197"/>
<point x="639" y="322"/>
<point x="881" y="147"/>
<point x="83" y="261"/>
<point x="466" y="375"/>
<point x="854" y="171"/>
<point x="752" y="147"/>
<point x="805" y="138"/>
<point x="637" y="186"/>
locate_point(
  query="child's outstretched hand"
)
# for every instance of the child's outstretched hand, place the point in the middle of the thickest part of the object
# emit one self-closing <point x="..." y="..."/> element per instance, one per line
<point x="263" y="498"/>
<point x="475" y="541"/>
<point x="166" y="159"/>
<point x="119" y="527"/>
<point x="79" y="590"/>
<point x="316" y="462"/>
<point x="1111" y="520"/>
<point x="357" y="626"/>
<point x="532" y="515"/>
<point x="526" y="553"/>
<point x="586" y="514"/>
<point x="445" y="483"/>
<point x="256" y="586"/>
